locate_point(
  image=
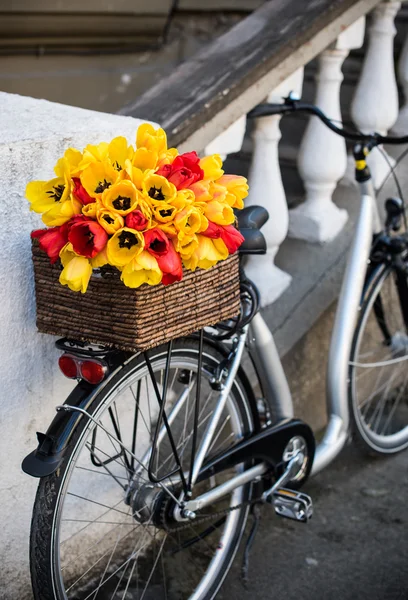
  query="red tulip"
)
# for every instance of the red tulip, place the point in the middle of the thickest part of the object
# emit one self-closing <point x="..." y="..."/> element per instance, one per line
<point x="228" y="233"/>
<point x="51" y="240"/>
<point x="80" y="192"/>
<point x="87" y="238"/>
<point x="158" y="244"/>
<point x="136" y="220"/>
<point x="184" y="170"/>
<point x="231" y="237"/>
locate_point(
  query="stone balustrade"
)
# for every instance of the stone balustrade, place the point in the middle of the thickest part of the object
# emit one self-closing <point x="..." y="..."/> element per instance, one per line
<point x="322" y="155"/>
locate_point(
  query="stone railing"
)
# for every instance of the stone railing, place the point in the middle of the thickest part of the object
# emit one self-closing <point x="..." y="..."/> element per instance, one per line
<point x="264" y="57"/>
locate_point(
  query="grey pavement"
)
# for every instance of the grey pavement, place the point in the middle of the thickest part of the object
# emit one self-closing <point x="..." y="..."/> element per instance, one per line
<point x="354" y="548"/>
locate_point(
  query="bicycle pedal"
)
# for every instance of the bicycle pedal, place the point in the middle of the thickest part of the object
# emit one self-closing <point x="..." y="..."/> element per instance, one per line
<point x="292" y="504"/>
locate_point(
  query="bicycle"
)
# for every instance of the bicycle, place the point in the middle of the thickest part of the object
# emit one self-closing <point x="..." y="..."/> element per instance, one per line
<point x="151" y="466"/>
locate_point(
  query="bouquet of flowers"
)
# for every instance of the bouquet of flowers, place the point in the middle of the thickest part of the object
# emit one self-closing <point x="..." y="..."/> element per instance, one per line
<point x="147" y="211"/>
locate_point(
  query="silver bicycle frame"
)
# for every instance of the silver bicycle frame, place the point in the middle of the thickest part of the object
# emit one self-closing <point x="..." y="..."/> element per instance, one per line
<point x="266" y="358"/>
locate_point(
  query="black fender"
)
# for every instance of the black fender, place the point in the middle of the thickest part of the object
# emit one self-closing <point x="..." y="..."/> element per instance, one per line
<point x="48" y="455"/>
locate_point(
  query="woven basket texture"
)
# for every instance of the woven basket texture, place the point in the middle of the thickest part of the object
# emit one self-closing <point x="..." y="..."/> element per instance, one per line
<point x="111" y="314"/>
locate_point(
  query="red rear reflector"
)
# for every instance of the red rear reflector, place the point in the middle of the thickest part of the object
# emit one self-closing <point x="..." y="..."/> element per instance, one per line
<point x="92" y="371"/>
<point x="68" y="366"/>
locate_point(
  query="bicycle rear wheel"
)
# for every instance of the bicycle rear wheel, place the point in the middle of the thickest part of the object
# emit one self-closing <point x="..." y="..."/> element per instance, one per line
<point x="378" y="372"/>
<point x="101" y="530"/>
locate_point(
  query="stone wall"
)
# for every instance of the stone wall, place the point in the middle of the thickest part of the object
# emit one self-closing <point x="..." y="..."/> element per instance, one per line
<point x="34" y="134"/>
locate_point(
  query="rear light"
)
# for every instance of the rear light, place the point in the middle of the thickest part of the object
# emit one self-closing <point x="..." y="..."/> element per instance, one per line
<point x="68" y="366"/>
<point x="91" y="370"/>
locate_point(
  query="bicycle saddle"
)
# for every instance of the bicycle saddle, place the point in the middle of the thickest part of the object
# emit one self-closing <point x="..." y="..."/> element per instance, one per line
<point x="250" y="221"/>
<point x="252" y="217"/>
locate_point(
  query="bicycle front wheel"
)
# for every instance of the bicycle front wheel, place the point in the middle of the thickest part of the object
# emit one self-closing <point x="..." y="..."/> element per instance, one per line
<point x="102" y="530"/>
<point x="378" y="372"/>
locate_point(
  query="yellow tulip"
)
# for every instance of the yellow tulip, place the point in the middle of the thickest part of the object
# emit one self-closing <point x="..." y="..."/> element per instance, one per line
<point x="158" y="189"/>
<point x="111" y="221"/>
<point x="76" y="274"/>
<point x="211" y="165"/>
<point x="153" y="139"/>
<point x="61" y="212"/>
<point x="219" y="213"/>
<point x="207" y="253"/>
<point x="93" y="154"/>
<point x="119" y="152"/>
<point x="187" y="246"/>
<point x="237" y="188"/>
<point x="90" y="210"/>
<point x="184" y="198"/>
<point x="98" y="177"/>
<point x="122" y="197"/>
<point x="144" y="159"/>
<point x="100" y="259"/>
<point x="167" y="157"/>
<point x="141" y="269"/>
<point x="67" y="254"/>
<point x="218" y="192"/>
<point x="133" y="173"/>
<point x="43" y="195"/>
<point x="68" y="165"/>
<point x="164" y="213"/>
<point x="190" y="220"/>
<point x="124" y="245"/>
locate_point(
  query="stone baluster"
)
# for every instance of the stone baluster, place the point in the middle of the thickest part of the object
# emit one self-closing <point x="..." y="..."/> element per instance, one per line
<point x="401" y="125"/>
<point x="266" y="189"/>
<point x="322" y="159"/>
<point x="375" y="103"/>
<point x="228" y="141"/>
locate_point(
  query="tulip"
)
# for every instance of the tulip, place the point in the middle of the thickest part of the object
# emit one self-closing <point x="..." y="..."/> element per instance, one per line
<point x="87" y="238"/>
<point x="211" y="165"/>
<point x="136" y="220"/>
<point x="201" y="190"/>
<point x="153" y="139"/>
<point x="94" y="154"/>
<point x="91" y="210"/>
<point x="119" y="152"/>
<point x="164" y="213"/>
<point x="121" y="197"/>
<point x="76" y="274"/>
<point x="158" y="189"/>
<point x="124" y="245"/>
<point x="183" y="171"/>
<point x="208" y="253"/>
<point x="43" y="195"/>
<point x="80" y="192"/>
<point x="68" y="165"/>
<point x="100" y="259"/>
<point x="141" y="269"/>
<point x="190" y="220"/>
<point x="231" y="237"/>
<point x="219" y="213"/>
<point x="144" y="159"/>
<point x="237" y="188"/>
<point x="167" y="157"/>
<point x="109" y="220"/>
<point x="163" y="250"/>
<point x="51" y="240"/>
<point x="98" y="177"/>
<point x="61" y="212"/>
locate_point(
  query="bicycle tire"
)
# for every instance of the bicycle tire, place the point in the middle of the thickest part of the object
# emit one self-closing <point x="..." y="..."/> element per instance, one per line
<point x="45" y="565"/>
<point x="379" y="404"/>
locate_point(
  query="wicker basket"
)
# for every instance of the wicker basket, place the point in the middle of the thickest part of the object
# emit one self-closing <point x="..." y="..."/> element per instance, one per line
<point x="111" y="314"/>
